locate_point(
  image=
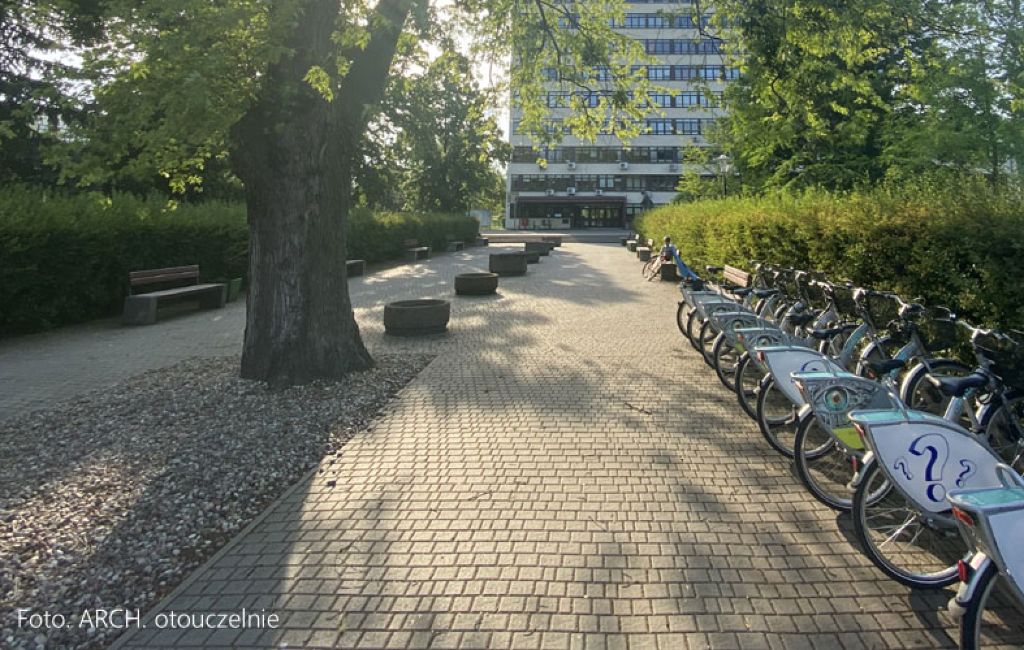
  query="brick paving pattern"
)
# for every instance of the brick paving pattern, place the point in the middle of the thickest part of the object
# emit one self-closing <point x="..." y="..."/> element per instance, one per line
<point x="565" y="474"/>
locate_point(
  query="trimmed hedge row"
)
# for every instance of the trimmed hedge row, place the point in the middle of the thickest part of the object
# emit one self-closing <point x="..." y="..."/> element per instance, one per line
<point x="959" y="245"/>
<point x="66" y="259"/>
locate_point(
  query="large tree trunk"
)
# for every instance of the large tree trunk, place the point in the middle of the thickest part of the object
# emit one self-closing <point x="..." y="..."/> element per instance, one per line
<point x="294" y="150"/>
<point x="299" y="322"/>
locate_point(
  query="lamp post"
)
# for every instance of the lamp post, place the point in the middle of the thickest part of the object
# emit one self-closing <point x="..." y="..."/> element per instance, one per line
<point x="724" y="166"/>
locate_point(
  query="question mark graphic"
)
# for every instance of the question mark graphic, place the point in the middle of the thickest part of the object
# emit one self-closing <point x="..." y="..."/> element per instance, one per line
<point x="969" y="470"/>
<point x="938" y="453"/>
<point x="811" y="366"/>
<point x="901" y="464"/>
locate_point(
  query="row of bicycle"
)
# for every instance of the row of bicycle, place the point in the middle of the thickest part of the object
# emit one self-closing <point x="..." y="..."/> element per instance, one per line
<point x="862" y="390"/>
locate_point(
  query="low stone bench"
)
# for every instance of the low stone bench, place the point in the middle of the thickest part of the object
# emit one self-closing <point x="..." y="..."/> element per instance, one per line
<point x="476" y="284"/>
<point x="482" y="241"/>
<point x="540" y="247"/>
<point x="414" y="252"/>
<point x="532" y="257"/>
<point x="507" y="264"/>
<point x="556" y="242"/>
<point x="416" y="317"/>
<point x="455" y="246"/>
<point x="631" y="245"/>
<point x="355" y="267"/>
<point x="643" y="253"/>
<point x="140" y="309"/>
<point x="669" y="271"/>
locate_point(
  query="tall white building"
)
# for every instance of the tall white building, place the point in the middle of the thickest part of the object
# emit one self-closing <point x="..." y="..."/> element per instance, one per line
<point x="604" y="183"/>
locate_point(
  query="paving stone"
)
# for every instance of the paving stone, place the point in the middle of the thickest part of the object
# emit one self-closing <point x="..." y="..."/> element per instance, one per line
<point x="566" y="473"/>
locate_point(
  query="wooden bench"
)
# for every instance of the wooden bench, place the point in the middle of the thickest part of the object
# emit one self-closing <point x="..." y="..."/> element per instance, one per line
<point x="140" y="308"/>
<point x="735" y="277"/>
<point x="413" y="250"/>
<point x="355" y="267"/>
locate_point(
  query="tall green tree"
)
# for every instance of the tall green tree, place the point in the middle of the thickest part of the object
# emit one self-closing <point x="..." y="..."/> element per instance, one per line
<point x="288" y="88"/>
<point x="449" y="140"/>
<point x="38" y="94"/>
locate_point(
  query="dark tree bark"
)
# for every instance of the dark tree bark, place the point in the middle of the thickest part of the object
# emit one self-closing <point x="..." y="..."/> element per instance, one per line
<point x="294" y="151"/>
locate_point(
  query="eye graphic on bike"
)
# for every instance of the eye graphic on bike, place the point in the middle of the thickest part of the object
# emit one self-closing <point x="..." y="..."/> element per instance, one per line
<point x="836" y="399"/>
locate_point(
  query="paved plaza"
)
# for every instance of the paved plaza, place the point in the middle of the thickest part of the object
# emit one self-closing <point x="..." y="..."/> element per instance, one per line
<point x="566" y="473"/>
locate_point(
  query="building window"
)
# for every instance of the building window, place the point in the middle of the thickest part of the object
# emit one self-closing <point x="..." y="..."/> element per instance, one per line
<point x="685" y="72"/>
<point x="659" y="127"/>
<point x="658" y="46"/>
<point x="688" y="127"/>
<point x="659" y="72"/>
<point x="663" y="100"/>
<point x="689" y="99"/>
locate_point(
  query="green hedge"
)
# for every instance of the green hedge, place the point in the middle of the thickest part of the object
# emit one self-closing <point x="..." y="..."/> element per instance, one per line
<point x="65" y="259"/>
<point x="958" y="244"/>
<point x="375" y="237"/>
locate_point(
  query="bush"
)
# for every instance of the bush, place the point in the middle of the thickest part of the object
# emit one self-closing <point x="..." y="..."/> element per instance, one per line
<point x="379" y="236"/>
<point x="65" y="259"/>
<point x="958" y="244"/>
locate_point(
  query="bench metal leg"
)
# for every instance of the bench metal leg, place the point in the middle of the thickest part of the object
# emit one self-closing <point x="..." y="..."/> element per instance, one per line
<point x="139" y="310"/>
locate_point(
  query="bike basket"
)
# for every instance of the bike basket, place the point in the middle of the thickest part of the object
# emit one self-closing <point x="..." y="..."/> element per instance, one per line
<point x="842" y="297"/>
<point x="815" y="292"/>
<point x="937" y="330"/>
<point x="1006" y="356"/>
<point x="786" y="282"/>
<point x="882" y="309"/>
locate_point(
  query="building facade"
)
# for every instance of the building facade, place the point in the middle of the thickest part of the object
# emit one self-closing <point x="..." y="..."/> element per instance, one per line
<point x="605" y="183"/>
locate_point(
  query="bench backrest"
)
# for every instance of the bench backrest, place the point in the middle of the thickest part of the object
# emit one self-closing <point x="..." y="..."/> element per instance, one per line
<point x="409" y="243"/>
<point x="157" y="276"/>
<point x="736" y="276"/>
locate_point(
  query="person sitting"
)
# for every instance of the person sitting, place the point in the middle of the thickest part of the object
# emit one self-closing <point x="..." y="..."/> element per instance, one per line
<point x="668" y="250"/>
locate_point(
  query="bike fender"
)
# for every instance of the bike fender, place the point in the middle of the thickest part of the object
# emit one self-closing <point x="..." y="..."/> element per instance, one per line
<point x="978" y="563"/>
<point x="866" y="462"/>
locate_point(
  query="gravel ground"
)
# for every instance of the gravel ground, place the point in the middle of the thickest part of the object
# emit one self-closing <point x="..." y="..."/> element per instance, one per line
<point x="112" y="499"/>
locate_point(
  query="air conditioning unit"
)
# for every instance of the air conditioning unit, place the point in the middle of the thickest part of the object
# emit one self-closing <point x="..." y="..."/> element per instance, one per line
<point x="549" y="192"/>
<point x="623" y="165"/>
<point x="571" y="164"/>
<point x="570" y="191"/>
<point x="673" y="167"/>
<point x="599" y="192"/>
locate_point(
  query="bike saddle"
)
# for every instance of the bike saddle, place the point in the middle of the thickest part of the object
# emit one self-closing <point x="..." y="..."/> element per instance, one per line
<point x="764" y="293"/>
<point x="713" y="269"/>
<point x="884" y="366"/>
<point x="831" y="332"/>
<point x="801" y="319"/>
<point x="958" y="386"/>
<point x="741" y="291"/>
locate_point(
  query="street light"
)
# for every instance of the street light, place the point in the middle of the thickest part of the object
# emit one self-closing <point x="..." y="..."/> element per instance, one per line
<point x="724" y="166"/>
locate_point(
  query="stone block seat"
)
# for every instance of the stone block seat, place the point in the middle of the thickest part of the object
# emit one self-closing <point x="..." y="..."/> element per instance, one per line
<point x="508" y="264"/>
<point x="414" y="252"/>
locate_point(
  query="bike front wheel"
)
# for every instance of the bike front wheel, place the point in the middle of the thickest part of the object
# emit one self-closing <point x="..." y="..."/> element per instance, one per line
<point x="989" y="620"/>
<point x="776" y="417"/>
<point x="748" y="378"/>
<point x="725" y="359"/>
<point x="823" y="466"/>
<point x="911" y="547"/>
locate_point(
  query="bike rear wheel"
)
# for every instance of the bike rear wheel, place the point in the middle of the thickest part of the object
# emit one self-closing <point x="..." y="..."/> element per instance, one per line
<point x="907" y="545"/>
